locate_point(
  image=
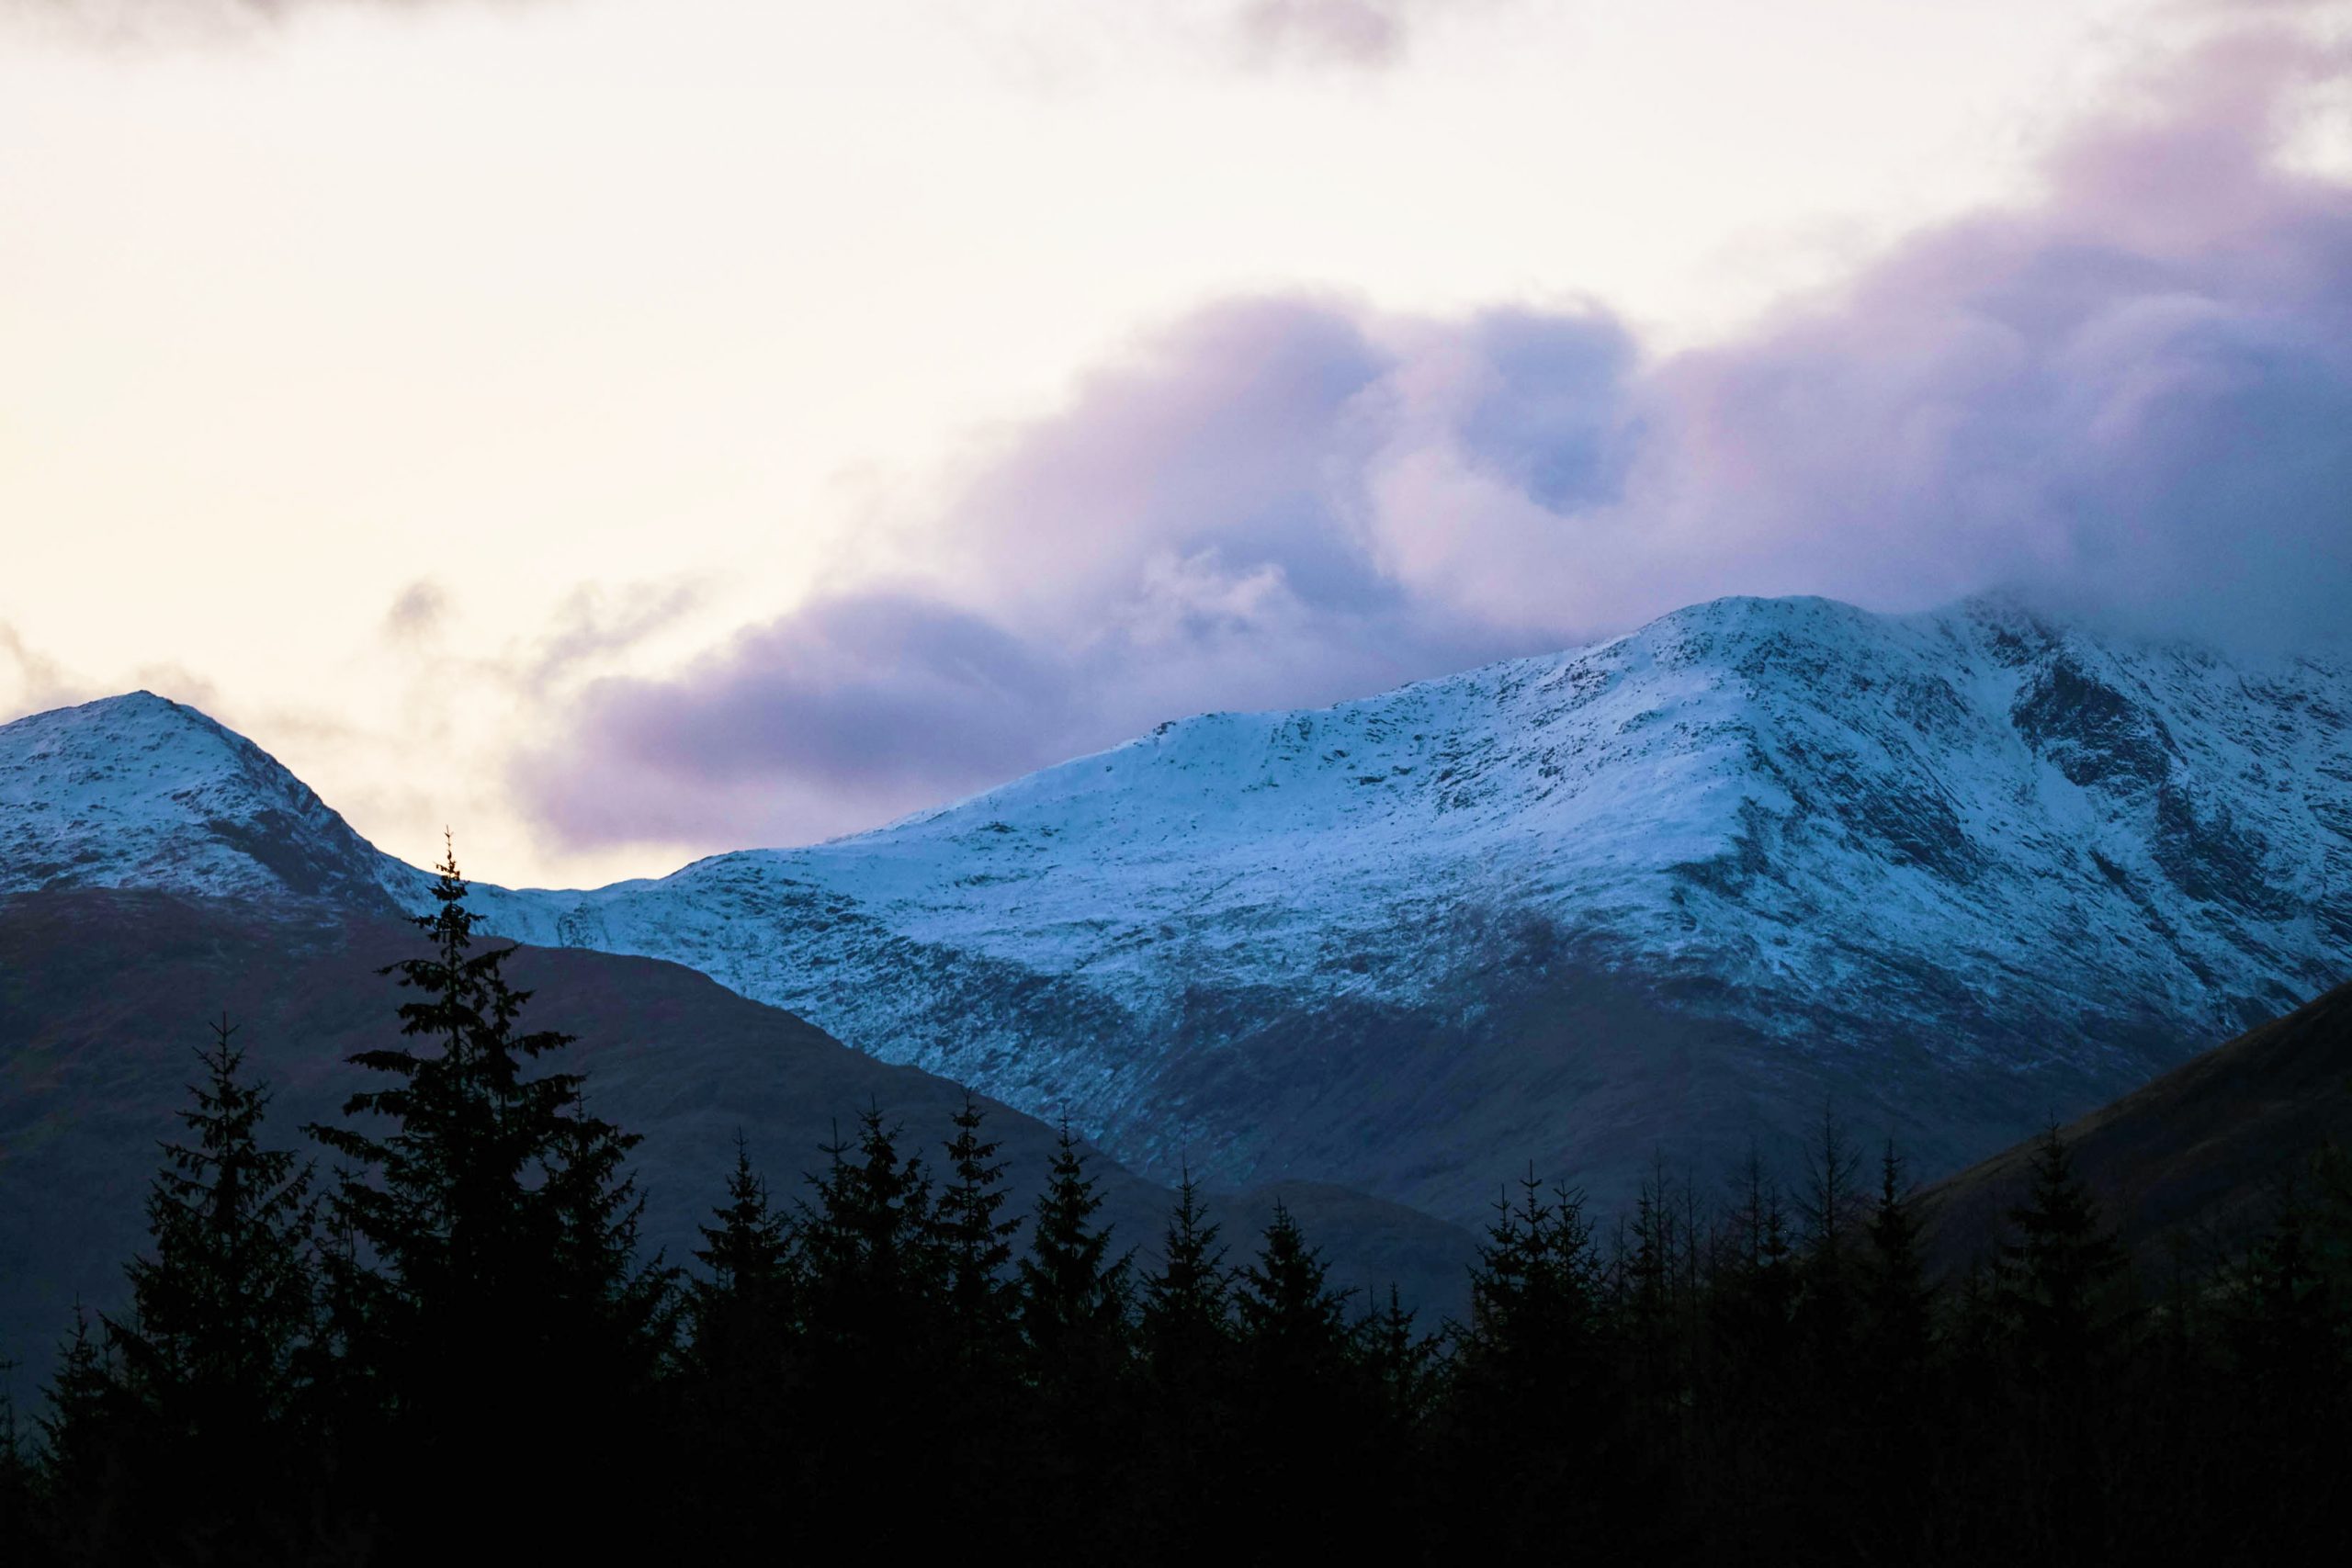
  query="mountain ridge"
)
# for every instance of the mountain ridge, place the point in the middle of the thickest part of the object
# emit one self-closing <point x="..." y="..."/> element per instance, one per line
<point x="1956" y="869"/>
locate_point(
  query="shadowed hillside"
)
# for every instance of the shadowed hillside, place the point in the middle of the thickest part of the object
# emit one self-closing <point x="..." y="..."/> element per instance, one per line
<point x="104" y="994"/>
<point x="2192" y="1157"/>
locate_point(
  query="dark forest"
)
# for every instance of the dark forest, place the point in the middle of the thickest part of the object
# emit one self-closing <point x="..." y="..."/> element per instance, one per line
<point x="431" y="1326"/>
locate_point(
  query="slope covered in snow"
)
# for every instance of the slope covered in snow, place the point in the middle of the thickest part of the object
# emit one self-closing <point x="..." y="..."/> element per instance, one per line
<point x="1955" y="871"/>
<point x="138" y="790"/>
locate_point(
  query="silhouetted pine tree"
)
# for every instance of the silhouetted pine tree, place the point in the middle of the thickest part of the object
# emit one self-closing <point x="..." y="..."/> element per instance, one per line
<point x="977" y="1244"/>
<point x="1535" y="1411"/>
<point x="1293" y="1324"/>
<point x="87" y="1451"/>
<point x="1651" y="1331"/>
<point x="1186" y="1325"/>
<point x="21" y="1532"/>
<point x="1747" y="1372"/>
<point x="877" y="1340"/>
<point x="223" y="1306"/>
<point x="2059" y="1298"/>
<point x="1305" y="1418"/>
<point x="2056" y="1280"/>
<point x="736" y="1409"/>
<point x="1405" y="1362"/>
<point x="1074" y="1292"/>
<point x="1073" y="1306"/>
<point x="875" y="1271"/>
<point x="491" y="1288"/>
<point x="2287" y="1351"/>
<point x="1891" y="1376"/>
<point x="1826" y="1284"/>
<point x="1895" y="1300"/>
<point x="981" y="1404"/>
<point x="1184" y="1331"/>
<point x="748" y="1254"/>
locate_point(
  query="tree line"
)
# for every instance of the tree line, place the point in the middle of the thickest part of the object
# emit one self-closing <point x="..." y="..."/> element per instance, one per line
<point x="450" y="1336"/>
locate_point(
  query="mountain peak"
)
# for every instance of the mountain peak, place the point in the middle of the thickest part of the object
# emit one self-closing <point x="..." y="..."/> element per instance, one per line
<point x="140" y="791"/>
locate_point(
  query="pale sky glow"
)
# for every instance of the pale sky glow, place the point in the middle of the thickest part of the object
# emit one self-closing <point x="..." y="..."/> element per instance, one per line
<point x="636" y="322"/>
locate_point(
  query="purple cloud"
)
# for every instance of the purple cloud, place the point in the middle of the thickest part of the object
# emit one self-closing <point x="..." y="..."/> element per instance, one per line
<point x="2133" y="395"/>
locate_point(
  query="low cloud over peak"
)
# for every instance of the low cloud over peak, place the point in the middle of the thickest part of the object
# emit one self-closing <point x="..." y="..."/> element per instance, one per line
<point x="2132" y="397"/>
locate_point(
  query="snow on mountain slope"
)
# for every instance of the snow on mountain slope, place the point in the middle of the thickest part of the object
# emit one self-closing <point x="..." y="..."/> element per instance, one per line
<point x="1957" y="871"/>
<point x="137" y="791"/>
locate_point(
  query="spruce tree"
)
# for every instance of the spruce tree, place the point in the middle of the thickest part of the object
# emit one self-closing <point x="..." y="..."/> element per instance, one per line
<point x="1294" y="1325"/>
<point x="1074" y="1292"/>
<point x="1825" y="1304"/>
<point x="2056" y="1280"/>
<point x="1073" y="1309"/>
<point x="875" y="1271"/>
<point x="976" y="1243"/>
<point x="1892" y="1376"/>
<point x="1187" y="1308"/>
<point x="1308" y="1401"/>
<point x="1185" y="1332"/>
<point x="1895" y="1297"/>
<point x="1404" y="1361"/>
<point x="212" y="1353"/>
<point x="740" y="1393"/>
<point x="1535" y="1407"/>
<point x="19" y="1521"/>
<point x="89" y="1449"/>
<point x="488" y="1289"/>
<point x="224" y="1301"/>
<point x="748" y="1253"/>
<point x="2062" y="1307"/>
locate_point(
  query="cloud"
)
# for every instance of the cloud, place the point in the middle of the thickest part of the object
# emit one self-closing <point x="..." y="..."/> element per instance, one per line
<point x="31" y="682"/>
<point x="596" y="621"/>
<point x="134" y="22"/>
<point x="1351" y="33"/>
<point x="2132" y="395"/>
<point x="417" y="611"/>
<point x="1363" y="34"/>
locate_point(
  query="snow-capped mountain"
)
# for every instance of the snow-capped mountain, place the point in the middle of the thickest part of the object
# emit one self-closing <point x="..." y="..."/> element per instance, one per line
<point x="1954" y="872"/>
<point x="140" y="792"/>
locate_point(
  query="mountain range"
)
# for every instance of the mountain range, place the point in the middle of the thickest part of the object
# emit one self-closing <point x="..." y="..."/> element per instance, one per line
<point x="1952" y="873"/>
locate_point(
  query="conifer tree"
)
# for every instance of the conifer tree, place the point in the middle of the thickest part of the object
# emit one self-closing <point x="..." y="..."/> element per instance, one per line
<point x="225" y="1300"/>
<point x="1073" y="1307"/>
<point x="1403" y="1360"/>
<point x="2056" y="1280"/>
<point x="1292" y="1323"/>
<point x="19" y="1520"/>
<point x="977" y="1244"/>
<point x="1308" y="1403"/>
<point x="739" y="1310"/>
<point x="489" y="1292"/>
<point x="875" y="1269"/>
<point x="1825" y="1307"/>
<point x="2058" y="1293"/>
<point x="1895" y="1298"/>
<point x="737" y="1402"/>
<point x="1074" y="1292"/>
<point x="212" y="1355"/>
<point x="748" y="1250"/>
<point x="1185" y="1332"/>
<point x="1534" y="1407"/>
<point x="1534" y="1292"/>
<point x="88" y="1447"/>
<point x="1891" y="1376"/>
<point x="1187" y="1307"/>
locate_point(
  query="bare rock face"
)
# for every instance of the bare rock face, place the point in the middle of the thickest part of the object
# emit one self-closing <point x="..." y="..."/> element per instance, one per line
<point x="1954" y="872"/>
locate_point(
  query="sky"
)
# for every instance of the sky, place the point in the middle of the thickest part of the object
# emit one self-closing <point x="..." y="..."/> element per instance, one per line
<point x="620" y="431"/>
